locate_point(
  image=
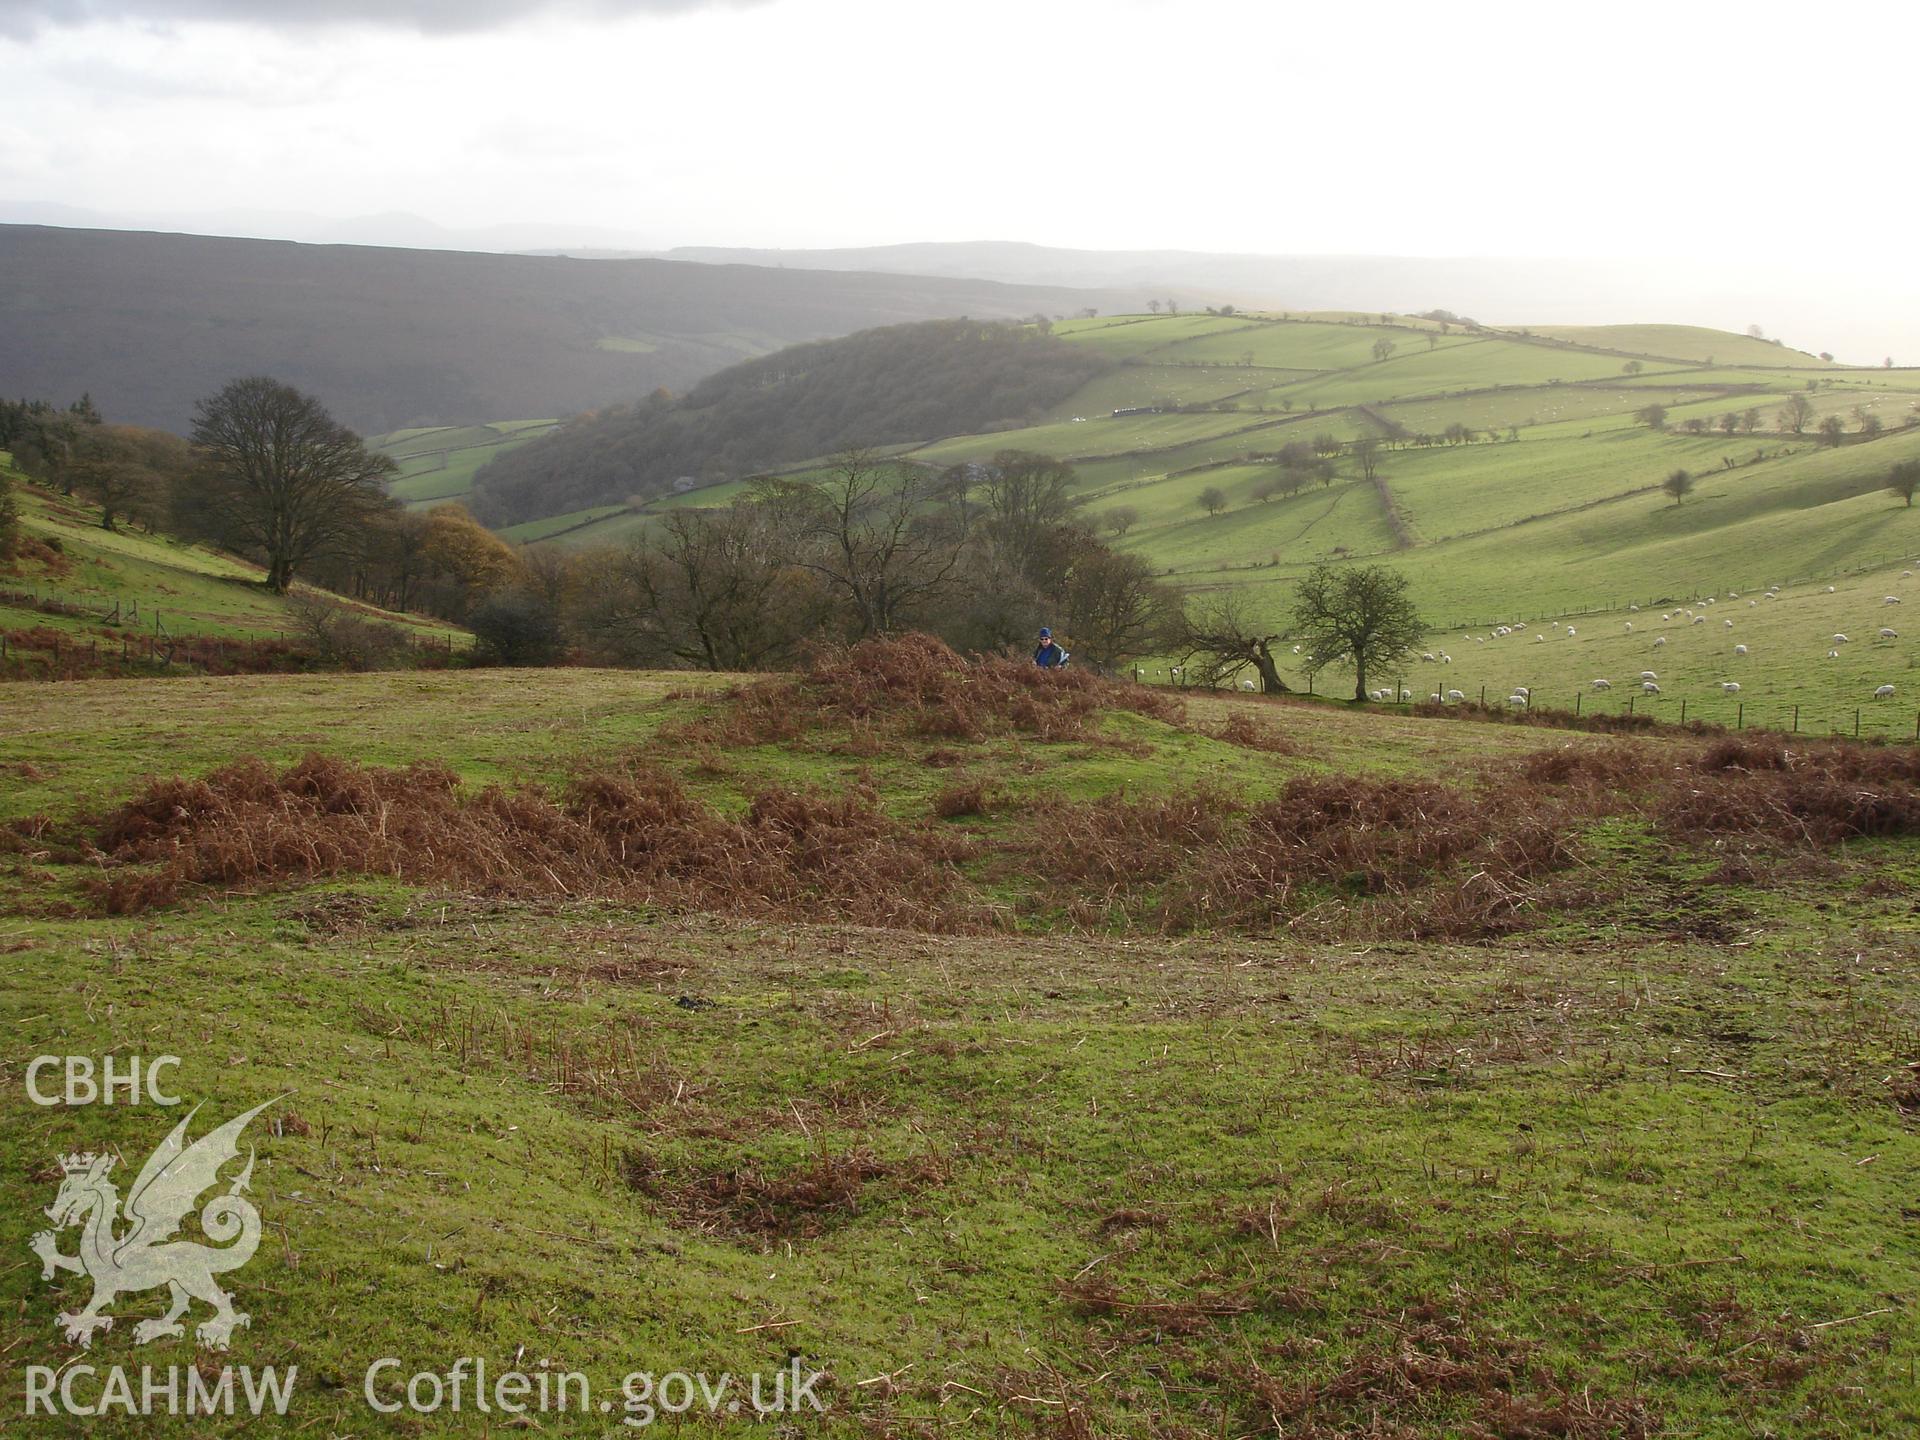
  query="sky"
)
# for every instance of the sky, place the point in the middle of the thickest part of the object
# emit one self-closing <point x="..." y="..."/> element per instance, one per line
<point x="1699" y="129"/>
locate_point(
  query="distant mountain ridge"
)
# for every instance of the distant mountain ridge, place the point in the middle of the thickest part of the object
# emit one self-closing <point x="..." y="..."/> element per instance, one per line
<point x="390" y="338"/>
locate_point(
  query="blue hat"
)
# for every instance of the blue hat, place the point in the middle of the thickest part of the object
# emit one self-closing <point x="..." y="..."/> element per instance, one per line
<point x="1045" y="633"/>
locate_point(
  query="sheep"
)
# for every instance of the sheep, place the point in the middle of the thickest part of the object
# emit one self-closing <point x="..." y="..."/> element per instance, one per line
<point x="1840" y="640"/>
<point x="1445" y="659"/>
<point x="1906" y="574"/>
<point x="1732" y="687"/>
<point x="1296" y="649"/>
<point x="1830" y="589"/>
<point x="1517" y="699"/>
<point x="1633" y="609"/>
<point x="1603" y="684"/>
<point x="1659" y="641"/>
<point x="1455" y="695"/>
<point x="1667" y="616"/>
<point x="1739" y="649"/>
<point x="1727" y="623"/>
<point x="1833" y="654"/>
<point x="1751" y="604"/>
<point x="1699" y="619"/>
<point x="1540" y="639"/>
<point x="1571" y="632"/>
<point x="1428" y="657"/>
<point x="1629" y="627"/>
<point x="1435" y="697"/>
<point x="1887" y="634"/>
<point x="1650" y="688"/>
<point x="1406" y="696"/>
<point x="1885" y="692"/>
<point x="1248" y="685"/>
<point x="1890" y="600"/>
<point x="1733" y="594"/>
<point x="1648" y="675"/>
<point x="1523" y="690"/>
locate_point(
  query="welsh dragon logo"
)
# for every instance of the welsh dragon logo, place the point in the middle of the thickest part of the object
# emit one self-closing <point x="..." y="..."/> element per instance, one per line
<point x="144" y="1254"/>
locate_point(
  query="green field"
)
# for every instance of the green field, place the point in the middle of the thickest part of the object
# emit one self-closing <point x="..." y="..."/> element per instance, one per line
<point x="1642" y="1165"/>
<point x="437" y="464"/>
<point x="1553" y="506"/>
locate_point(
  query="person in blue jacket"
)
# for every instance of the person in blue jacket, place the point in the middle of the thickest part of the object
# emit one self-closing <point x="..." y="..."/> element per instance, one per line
<point x="1049" y="656"/>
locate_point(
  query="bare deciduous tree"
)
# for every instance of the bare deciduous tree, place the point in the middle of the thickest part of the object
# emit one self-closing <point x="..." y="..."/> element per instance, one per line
<point x="284" y="477"/>
<point x="1361" y="618"/>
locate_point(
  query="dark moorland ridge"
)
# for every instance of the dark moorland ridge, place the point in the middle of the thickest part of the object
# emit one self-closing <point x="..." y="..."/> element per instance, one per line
<point x="880" y="387"/>
<point x="149" y="323"/>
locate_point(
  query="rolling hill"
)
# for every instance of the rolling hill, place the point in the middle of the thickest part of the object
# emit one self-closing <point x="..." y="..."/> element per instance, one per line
<point x="1514" y="483"/>
<point x="392" y="338"/>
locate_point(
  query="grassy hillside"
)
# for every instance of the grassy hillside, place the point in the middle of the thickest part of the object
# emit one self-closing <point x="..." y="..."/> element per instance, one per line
<point x="437" y="463"/>
<point x="1545" y="501"/>
<point x="80" y="596"/>
<point x="1427" y="1122"/>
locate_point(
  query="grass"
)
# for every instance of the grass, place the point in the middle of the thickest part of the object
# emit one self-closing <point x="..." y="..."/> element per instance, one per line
<point x="438" y="463"/>
<point x="1640" y="1168"/>
<point x="106" y="590"/>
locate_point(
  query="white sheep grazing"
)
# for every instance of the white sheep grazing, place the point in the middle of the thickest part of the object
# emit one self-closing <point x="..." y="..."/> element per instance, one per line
<point x="1571" y="632"/>
<point x="1885" y="692"/>
<point x="1516" y="699"/>
<point x="1633" y="609"/>
<point x="1651" y="688"/>
<point x="1648" y="675"/>
<point x="1540" y="639"/>
<point x="1175" y="672"/>
<point x="1739" y="649"/>
<point x="1248" y="685"/>
<point x="1733" y="594"/>
<point x="1629" y="627"/>
<point x="1840" y="640"/>
<point x="1658" y="642"/>
<point x="1699" y="619"/>
<point x="1296" y="649"/>
<point x="1428" y="657"/>
<point x="1435" y="697"/>
<point x="1751" y="604"/>
<point x="1667" y="616"/>
<point x="1405" y="696"/>
<point x="1830" y="589"/>
<point x="1455" y="695"/>
<point x="1890" y="600"/>
<point x="1445" y="659"/>
<point x="1886" y="634"/>
<point x="1732" y="687"/>
<point x="1906" y="574"/>
<point x="1603" y="684"/>
<point x="1523" y="690"/>
<point x="1727" y="623"/>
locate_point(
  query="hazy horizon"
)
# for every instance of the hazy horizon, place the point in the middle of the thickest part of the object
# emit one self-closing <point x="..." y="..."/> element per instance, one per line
<point x="1713" y="160"/>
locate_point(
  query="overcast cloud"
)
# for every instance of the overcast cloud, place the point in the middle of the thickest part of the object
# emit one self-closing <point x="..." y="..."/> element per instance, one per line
<point x="25" y="17"/>
<point x="1738" y="136"/>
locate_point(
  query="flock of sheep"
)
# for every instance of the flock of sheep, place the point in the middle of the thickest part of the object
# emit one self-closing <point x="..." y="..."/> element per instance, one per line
<point x="1649" y="681"/>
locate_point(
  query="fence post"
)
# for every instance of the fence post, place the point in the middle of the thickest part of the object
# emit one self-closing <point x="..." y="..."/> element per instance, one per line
<point x="1483" y="695"/>
<point x="1630" y="700"/>
<point x="1740" y="722"/>
<point x="1576" y="702"/>
<point x="1856" y="724"/>
<point x="1796" y="719"/>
